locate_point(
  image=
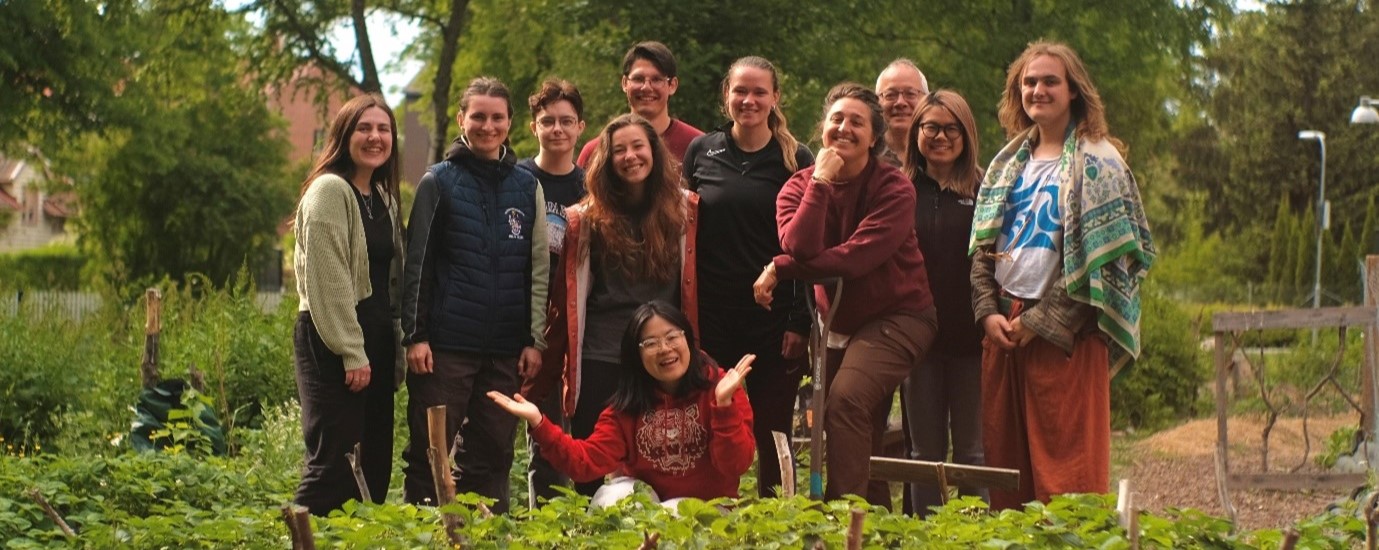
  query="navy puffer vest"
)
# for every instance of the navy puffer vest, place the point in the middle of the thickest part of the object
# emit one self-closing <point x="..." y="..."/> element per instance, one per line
<point x="483" y="266"/>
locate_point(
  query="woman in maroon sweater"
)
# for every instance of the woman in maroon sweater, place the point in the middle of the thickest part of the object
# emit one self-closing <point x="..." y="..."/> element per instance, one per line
<point x="676" y="421"/>
<point x="852" y="217"/>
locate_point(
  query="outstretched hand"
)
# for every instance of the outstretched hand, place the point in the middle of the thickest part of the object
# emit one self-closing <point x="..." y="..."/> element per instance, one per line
<point x="732" y="380"/>
<point x="517" y="406"/>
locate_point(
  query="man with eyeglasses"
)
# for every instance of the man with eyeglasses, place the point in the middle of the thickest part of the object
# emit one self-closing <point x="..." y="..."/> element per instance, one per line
<point x="901" y="85"/>
<point x="557" y="113"/>
<point x="648" y="79"/>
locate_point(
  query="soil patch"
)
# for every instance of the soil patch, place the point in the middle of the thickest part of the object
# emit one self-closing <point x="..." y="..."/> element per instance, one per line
<point x="1176" y="468"/>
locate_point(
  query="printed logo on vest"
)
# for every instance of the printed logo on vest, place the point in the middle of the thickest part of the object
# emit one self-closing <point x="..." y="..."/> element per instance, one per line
<point x="515" y="217"/>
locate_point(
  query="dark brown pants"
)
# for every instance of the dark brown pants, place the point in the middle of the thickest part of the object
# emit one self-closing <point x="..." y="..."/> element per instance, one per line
<point x="460" y="381"/>
<point x="861" y="382"/>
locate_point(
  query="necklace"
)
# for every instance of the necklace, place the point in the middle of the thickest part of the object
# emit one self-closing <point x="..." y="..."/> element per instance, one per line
<point x="367" y="201"/>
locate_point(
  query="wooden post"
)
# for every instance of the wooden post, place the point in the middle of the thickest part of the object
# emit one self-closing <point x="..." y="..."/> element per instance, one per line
<point x="441" y="471"/>
<point x="787" y="464"/>
<point x="650" y="541"/>
<point x="52" y="514"/>
<point x="299" y="526"/>
<point x="153" y="325"/>
<point x="854" y="540"/>
<point x="1367" y="387"/>
<point x="1223" y="467"/>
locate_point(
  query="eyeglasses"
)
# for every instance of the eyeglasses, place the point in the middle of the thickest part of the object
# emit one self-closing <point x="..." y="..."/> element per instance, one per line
<point x="654" y="81"/>
<point x="910" y="94"/>
<point x="950" y="131"/>
<point x="551" y="122"/>
<point x="671" y="339"/>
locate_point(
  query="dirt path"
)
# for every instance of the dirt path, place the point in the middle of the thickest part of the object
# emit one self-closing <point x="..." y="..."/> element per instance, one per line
<point x="1176" y="468"/>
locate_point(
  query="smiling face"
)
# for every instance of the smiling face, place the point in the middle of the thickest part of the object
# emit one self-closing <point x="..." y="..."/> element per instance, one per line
<point x="1045" y="93"/>
<point x="900" y="88"/>
<point x="665" y="352"/>
<point x="371" y="143"/>
<point x="750" y="96"/>
<point x="486" y="124"/>
<point x="632" y="156"/>
<point x="848" y="131"/>
<point x="648" y="91"/>
<point x="940" y="151"/>
<point x="557" y="126"/>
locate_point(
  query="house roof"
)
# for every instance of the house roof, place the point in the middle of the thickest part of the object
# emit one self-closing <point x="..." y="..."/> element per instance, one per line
<point x="59" y="205"/>
<point x="10" y="169"/>
<point x="8" y="202"/>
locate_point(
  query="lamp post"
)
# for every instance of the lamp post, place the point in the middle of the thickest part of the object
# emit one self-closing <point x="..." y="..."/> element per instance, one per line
<point x="1365" y="112"/>
<point x="1323" y="216"/>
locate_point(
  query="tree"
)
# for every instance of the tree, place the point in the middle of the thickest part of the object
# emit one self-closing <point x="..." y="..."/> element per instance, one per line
<point x="60" y="69"/>
<point x="194" y="182"/>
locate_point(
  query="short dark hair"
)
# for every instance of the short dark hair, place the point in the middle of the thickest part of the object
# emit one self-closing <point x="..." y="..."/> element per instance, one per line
<point x="636" y="391"/>
<point x="853" y="90"/>
<point x="656" y="53"/>
<point x="553" y="90"/>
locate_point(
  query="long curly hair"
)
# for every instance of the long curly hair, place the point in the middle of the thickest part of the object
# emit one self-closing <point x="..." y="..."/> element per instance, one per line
<point x="1086" y="109"/>
<point x="641" y="239"/>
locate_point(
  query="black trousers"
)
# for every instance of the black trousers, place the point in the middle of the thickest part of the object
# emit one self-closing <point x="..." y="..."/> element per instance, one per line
<point x="728" y="333"/>
<point x="460" y="381"/>
<point x="334" y="418"/>
<point x="542" y="477"/>
<point x="598" y="381"/>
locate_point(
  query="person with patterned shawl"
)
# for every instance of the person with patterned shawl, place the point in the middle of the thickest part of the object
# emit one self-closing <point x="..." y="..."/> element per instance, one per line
<point x="1060" y="246"/>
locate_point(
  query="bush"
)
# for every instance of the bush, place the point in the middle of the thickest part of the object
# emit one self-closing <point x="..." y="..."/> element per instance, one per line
<point x="43" y="367"/>
<point x="1162" y="385"/>
<point x="53" y="267"/>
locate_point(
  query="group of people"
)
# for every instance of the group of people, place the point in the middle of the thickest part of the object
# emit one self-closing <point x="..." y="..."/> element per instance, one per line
<point x="642" y="306"/>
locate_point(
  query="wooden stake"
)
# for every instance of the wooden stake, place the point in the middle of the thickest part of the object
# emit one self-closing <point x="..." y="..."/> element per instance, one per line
<point x="52" y="514"/>
<point x="1290" y="539"/>
<point x="1371" y="521"/>
<point x="441" y="471"/>
<point x="787" y="464"/>
<point x="353" y="458"/>
<point x="148" y="369"/>
<point x="1123" y="503"/>
<point x="298" y="522"/>
<point x="854" y="540"/>
<point x="650" y="542"/>
<point x="1134" y="527"/>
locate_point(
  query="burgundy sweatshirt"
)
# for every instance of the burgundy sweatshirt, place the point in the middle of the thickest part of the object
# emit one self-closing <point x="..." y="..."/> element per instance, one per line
<point x="862" y="231"/>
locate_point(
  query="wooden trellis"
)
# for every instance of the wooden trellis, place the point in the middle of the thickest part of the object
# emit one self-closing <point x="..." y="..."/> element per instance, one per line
<point x="1230" y="329"/>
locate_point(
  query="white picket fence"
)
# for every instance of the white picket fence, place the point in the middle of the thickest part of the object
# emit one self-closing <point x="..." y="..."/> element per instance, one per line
<point x="79" y="305"/>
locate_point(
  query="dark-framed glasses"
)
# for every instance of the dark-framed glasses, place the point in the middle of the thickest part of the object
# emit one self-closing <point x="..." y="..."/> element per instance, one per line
<point x="950" y="131"/>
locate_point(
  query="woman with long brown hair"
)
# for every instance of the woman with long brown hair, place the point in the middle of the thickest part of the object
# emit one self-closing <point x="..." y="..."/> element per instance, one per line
<point x="944" y="394"/>
<point x="629" y="241"/>
<point x="738" y="170"/>
<point x="348" y="258"/>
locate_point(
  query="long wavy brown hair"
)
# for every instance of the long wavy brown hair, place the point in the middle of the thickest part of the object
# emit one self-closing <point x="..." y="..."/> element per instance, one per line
<point x="335" y="154"/>
<point x="642" y="240"/>
<point x="967" y="174"/>
<point x="1087" y="109"/>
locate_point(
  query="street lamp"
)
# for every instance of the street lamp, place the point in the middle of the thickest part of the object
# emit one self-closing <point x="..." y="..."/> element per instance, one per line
<point x="1365" y="112"/>
<point x="1323" y="215"/>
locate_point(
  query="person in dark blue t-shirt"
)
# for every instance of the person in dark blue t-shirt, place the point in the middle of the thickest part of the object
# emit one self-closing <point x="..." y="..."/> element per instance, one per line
<point x="557" y="120"/>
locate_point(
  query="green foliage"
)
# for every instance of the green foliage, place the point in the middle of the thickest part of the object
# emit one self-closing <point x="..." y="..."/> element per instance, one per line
<point x="69" y="385"/>
<point x="154" y="500"/>
<point x="52" y="267"/>
<point x="1341" y="442"/>
<point x="1162" y="385"/>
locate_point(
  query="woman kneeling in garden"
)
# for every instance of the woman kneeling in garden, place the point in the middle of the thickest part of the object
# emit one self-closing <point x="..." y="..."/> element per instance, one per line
<point x="676" y="421"/>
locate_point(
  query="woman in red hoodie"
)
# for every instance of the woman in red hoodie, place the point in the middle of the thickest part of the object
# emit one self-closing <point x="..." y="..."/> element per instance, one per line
<point x="676" y="421"/>
<point x="852" y="217"/>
